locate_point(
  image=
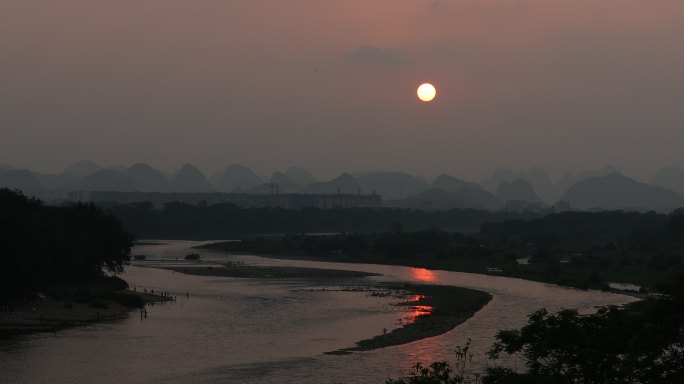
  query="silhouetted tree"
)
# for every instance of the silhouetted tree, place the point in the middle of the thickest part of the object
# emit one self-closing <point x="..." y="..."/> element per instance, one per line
<point x="642" y="345"/>
<point x="41" y="246"/>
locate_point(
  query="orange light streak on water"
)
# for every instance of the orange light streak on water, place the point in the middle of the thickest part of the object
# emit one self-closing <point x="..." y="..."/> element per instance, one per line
<point x="423" y="275"/>
<point x="415" y="312"/>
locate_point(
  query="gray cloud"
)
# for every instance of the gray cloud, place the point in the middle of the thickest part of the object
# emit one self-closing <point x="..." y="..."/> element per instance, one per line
<point x="373" y="54"/>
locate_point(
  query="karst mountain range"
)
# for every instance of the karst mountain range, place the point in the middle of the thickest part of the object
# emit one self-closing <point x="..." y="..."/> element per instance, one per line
<point x="606" y="188"/>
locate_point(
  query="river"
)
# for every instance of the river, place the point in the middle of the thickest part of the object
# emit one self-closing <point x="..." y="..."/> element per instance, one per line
<point x="231" y="330"/>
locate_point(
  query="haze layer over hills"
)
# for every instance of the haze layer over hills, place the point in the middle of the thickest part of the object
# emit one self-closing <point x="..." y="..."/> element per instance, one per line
<point x="505" y="189"/>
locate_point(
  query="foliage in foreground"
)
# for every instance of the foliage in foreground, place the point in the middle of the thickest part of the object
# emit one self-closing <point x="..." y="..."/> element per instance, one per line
<point x="641" y="344"/>
<point x="636" y="345"/>
<point x="440" y="372"/>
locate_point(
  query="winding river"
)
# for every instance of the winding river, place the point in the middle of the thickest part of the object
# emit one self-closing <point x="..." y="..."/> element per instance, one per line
<point x="231" y="330"/>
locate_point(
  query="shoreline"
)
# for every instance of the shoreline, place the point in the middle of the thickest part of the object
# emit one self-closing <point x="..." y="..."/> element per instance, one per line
<point x="327" y="259"/>
<point x="265" y="272"/>
<point x="433" y="309"/>
<point x="54" y="314"/>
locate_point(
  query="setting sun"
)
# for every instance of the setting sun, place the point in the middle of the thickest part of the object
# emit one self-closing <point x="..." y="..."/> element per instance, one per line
<point x="426" y="92"/>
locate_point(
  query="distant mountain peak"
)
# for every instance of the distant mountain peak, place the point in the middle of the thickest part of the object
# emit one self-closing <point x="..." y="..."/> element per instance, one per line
<point x="21" y="179"/>
<point x="343" y="177"/>
<point x="450" y="183"/>
<point x="105" y="180"/>
<point x="300" y="175"/>
<point x="140" y="166"/>
<point x="236" y="177"/>
<point x="518" y="190"/>
<point x="284" y="182"/>
<point x="81" y="169"/>
<point x="536" y="176"/>
<point x="344" y="183"/>
<point x="189" y="179"/>
<point x="187" y="167"/>
<point x="670" y="178"/>
<point x="148" y="179"/>
<point x="617" y="191"/>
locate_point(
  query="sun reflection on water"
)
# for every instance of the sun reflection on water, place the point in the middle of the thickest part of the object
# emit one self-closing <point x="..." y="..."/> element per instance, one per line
<point x="423" y="275"/>
<point x="415" y="311"/>
<point x="421" y="350"/>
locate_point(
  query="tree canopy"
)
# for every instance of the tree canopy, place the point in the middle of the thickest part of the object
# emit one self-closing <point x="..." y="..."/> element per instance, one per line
<point x="641" y="344"/>
<point x="41" y="246"/>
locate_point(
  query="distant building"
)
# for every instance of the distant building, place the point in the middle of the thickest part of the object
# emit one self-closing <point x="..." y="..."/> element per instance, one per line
<point x="246" y="200"/>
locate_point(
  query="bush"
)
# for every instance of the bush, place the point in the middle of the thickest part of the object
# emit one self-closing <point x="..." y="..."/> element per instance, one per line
<point x="441" y="372"/>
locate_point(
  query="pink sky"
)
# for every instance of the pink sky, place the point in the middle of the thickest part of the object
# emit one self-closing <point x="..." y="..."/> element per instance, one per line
<point x="330" y="85"/>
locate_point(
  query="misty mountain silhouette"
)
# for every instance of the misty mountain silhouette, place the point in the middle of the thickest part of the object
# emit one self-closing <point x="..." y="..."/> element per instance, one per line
<point x="236" y="177"/>
<point x="118" y="168"/>
<point x="616" y="191"/>
<point x="542" y="185"/>
<point x="21" y="179"/>
<point x="569" y="179"/>
<point x="479" y="198"/>
<point x="105" y="180"/>
<point x="671" y="178"/>
<point x="450" y="183"/>
<point x="285" y="183"/>
<point x="189" y="179"/>
<point x="343" y="183"/>
<point x="595" y="189"/>
<point x="81" y="169"/>
<point x="300" y="175"/>
<point x="55" y="182"/>
<point x="391" y="185"/>
<point x="536" y="176"/>
<point x="518" y="190"/>
<point x="147" y="179"/>
<point x="7" y="167"/>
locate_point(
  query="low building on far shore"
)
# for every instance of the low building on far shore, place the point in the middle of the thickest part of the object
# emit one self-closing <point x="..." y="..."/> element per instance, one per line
<point x="246" y="200"/>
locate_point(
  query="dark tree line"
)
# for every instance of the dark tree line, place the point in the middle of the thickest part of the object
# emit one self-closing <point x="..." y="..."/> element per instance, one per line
<point x="604" y="226"/>
<point x="41" y="246"/>
<point x="181" y="220"/>
<point x="578" y="249"/>
<point x="594" y="233"/>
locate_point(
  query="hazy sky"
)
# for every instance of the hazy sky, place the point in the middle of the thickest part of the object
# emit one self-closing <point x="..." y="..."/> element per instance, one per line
<point x="330" y="85"/>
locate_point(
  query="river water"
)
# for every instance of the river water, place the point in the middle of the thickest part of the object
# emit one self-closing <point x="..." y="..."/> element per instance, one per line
<point x="231" y="330"/>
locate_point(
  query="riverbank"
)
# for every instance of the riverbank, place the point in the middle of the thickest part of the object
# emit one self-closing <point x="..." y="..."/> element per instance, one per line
<point x="433" y="310"/>
<point x="265" y="272"/>
<point x="572" y="275"/>
<point x="50" y="314"/>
